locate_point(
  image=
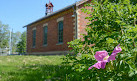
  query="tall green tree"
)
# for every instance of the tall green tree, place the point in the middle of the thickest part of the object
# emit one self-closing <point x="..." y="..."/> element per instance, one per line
<point x="21" y="46"/>
<point x="4" y="35"/>
<point x="15" y="37"/>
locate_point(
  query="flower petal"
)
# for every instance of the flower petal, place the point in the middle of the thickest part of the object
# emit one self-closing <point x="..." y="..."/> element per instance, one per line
<point x="114" y="53"/>
<point x="99" y="64"/>
<point x="100" y="55"/>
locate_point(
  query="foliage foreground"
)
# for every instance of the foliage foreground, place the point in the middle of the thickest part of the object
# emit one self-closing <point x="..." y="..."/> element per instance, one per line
<point x="111" y="22"/>
<point x="32" y="68"/>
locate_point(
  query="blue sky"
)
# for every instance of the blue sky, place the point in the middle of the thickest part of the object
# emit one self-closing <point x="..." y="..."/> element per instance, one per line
<point x="18" y="13"/>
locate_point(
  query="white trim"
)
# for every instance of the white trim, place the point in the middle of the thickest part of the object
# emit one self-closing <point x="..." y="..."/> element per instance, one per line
<point x="74" y="23"/>
<point x="34" y="28"/>
<point x="60" y="19"/>
<point x="80" y="2"/>
<point x="79" y="29"/>
<point x="46" y="24"/>
<point x="74" y="20"/>
<point x="59" y="43"/>
<point x="45" y="45"/>
<point x="78" y="33"/>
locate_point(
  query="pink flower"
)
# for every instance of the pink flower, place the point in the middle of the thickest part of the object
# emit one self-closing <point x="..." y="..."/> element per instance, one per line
<point x="102" y="57"/>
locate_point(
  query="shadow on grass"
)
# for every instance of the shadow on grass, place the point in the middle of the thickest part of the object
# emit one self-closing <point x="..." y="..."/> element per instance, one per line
<point x="40" y="73"/>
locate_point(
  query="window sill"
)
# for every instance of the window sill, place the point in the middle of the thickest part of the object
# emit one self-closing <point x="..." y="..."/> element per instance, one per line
<point x="45" y="45"/>
<point x="59" y="43"/>
<point x="33" y="46"/>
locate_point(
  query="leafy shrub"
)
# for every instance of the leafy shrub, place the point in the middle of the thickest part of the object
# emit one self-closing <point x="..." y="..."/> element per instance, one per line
<point x="111" y="23"/>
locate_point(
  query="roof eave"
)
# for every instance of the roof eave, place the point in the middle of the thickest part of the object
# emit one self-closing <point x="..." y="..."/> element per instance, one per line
<point x="51" y="14"/>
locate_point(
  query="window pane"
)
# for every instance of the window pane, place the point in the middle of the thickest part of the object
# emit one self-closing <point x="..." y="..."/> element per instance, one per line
<point x="45" y="35"/>
<point x="60" y="32"/>
<point x="34" y="38"/>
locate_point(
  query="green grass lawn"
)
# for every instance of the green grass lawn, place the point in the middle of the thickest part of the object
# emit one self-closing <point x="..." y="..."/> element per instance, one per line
<point x="32" y="68"/>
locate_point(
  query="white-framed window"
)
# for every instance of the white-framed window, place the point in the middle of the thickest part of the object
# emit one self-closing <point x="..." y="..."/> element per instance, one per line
<point x="34" y="37"/>
<point x="45" y="35"/>
<point x="60" y="32"/>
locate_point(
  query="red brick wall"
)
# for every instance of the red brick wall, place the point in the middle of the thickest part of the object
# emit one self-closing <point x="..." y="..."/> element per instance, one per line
<point x="68" y="31"/>
<point x="82" y="22"/>
<point x="52" y="39"/>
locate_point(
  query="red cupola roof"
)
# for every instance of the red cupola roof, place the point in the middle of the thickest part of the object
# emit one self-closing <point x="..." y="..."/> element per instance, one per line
<point x="49" y="5"/>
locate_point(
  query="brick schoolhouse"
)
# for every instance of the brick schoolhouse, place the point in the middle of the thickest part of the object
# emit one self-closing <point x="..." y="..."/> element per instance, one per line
<point x="50" y="34"/>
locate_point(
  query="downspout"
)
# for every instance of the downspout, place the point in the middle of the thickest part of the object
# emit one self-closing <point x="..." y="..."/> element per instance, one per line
<point x="76" y="23"/>
<point x="75" y="15"/>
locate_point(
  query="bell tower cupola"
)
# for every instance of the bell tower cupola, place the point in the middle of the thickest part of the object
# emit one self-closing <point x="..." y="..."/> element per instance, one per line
<point x="49" y="8"/>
